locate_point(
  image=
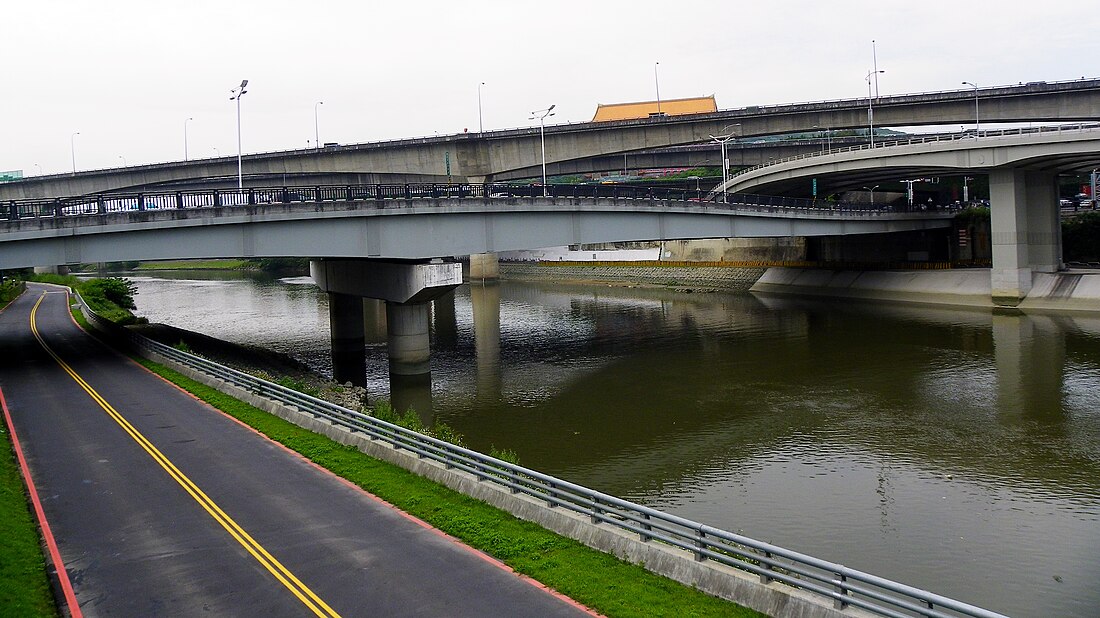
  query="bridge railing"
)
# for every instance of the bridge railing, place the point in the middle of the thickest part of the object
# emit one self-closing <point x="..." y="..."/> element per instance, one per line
<point x="843" y="585"/>
<point x="102" y="204"/>
<point x="939" y="137"/>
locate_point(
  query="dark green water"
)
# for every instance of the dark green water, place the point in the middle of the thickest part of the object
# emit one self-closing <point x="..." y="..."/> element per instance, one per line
<point x="953" y="450"/>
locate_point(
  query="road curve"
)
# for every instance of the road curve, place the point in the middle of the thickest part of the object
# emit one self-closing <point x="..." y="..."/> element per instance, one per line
<point x="163" y="506"/>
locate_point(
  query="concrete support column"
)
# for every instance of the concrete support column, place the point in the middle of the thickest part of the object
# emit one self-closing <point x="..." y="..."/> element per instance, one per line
<point x="408" y="342"/>
<point x="349" y="354"/>
<point x="484" y="267"/>
<point x="1044" y="222"/>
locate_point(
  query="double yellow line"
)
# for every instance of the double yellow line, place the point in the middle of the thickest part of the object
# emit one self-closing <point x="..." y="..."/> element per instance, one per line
<point x="281" y="573"/>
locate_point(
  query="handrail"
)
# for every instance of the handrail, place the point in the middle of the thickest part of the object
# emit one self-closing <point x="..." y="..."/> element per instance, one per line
<point x="843" y="585"/>
<point x="383" y="194"/>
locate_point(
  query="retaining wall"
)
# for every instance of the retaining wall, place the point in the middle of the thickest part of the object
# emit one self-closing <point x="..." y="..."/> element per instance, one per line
<point x="722" y="278"/>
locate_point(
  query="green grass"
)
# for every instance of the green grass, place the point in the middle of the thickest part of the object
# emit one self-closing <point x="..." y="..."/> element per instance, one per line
<point x="24" y="585"/>
<point x="598" y="580"/>
<point x="197" y="265"/>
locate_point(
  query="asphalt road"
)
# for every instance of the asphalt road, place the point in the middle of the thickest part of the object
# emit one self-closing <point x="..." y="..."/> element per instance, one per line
<point x="162" y="506"/>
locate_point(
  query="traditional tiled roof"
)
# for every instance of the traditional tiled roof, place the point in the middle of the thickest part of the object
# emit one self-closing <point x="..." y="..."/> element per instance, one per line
<point x="645" y="109"/>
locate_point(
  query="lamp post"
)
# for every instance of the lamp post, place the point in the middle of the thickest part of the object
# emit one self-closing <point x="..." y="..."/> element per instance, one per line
<point x="480" y="124"/>
<point x="72" y="149"/>
<point x="217" y="153"/>
<point x="721" y="141"/>
<point x="185" y="137"/>
<point x="977" y="126"/>
<point x="872" y="190"/>
<point x="316" y="131"/>
<point x="657" y="85"/>
<point x="542" y="114"/>
<point x="123" y="160"/>
<point x="870" y="106"/>
<point x="239" y="92"/>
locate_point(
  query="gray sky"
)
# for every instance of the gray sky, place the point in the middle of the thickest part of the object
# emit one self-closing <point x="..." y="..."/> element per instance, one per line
<point x="127" y="74"/>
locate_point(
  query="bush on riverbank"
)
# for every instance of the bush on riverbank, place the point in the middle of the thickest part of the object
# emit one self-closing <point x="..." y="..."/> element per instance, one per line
<point x="110" y="297"/>
<point x="1081" y="238"/>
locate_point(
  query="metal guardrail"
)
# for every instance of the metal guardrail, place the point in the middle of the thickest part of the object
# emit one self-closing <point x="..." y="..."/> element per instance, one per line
<point x="107" y="203"/>
<point x="939" y="137"/>
<point x="844" y="586"/>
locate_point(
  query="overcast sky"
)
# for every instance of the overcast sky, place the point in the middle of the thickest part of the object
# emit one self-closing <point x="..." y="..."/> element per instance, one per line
<point x="127" y="74"/>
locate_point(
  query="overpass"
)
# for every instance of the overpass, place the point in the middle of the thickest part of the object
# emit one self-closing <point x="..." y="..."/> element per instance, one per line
<point x="510" y="153"/>
<point x="1023" y="168"/>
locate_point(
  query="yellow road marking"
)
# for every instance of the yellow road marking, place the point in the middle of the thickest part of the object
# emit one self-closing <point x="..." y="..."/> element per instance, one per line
<point x="281" y="573"/>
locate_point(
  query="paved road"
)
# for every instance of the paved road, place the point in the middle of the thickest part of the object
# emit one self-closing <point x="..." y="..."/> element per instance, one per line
<point x="162" y="506"/>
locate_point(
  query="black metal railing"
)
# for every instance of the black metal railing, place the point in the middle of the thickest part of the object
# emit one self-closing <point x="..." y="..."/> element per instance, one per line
<point x="107" y="203"/>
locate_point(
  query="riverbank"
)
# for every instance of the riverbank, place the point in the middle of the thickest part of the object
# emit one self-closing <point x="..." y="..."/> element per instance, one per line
<point x="703" y="277"/>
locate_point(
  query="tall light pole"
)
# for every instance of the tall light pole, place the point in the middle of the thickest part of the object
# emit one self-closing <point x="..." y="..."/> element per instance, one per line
<point x="316" y="131"/>
<point x="872" y="190"/>
<point x="874" y="63"/>
<point x="239" y="92"/>
<point x="657" y="85"/>
<point x="977" y="126"/>
<point x="721" y="141"/>
<point x="123" y="160"/>
<point x="72" y="149"/>
<point x="870" y="106"/>
<point x="185" y="137"/>
<point x="480" y="124"/>
<point x="542" y="114"/>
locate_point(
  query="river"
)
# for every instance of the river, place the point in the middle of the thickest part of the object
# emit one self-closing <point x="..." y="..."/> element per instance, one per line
<point x="955" y="450"/>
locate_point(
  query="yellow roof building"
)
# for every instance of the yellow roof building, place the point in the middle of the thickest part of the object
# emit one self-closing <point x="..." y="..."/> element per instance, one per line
<point x="647" y="109"/>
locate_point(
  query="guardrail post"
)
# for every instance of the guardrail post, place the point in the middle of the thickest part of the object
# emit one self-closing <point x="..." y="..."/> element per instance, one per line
<point x="57" y="207"/>
<point x="217" y="198"/>
<point x="550" y="490"/>
<point x="645" y="528"/>
<point x="317" y="194"/>
<point x="596" y="511"/>
<point x="700" y="537"/>
<point x="764" y="579"/>
<point x="99" y="208"/>
<point x="251" y="196"/>
<point x="179" y="200"/>
<point x="13" y="211"/>
<point x="842" y="588"/>
<point x="140" y="201"/>
<point x="408" y="193"/>
<point x="347" y="193"/>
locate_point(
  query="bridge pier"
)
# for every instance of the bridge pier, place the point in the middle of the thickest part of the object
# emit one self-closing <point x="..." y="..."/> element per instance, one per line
<point x="484" y="267"/>
<point x="406" y="287"/>
<point x="1026" y="231"/>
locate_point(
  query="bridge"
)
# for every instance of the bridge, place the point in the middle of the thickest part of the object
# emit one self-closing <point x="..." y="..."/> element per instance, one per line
<point x="397" y="242"/>
<point x="514" y="153"/>
<point x="1023" y="167"/>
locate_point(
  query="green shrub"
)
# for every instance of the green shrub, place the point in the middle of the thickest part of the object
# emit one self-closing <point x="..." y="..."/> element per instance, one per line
<point x="1081" y="238"/>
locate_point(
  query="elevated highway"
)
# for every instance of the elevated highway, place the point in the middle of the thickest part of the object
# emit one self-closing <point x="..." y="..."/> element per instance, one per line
<point x="1023" y="168"/>
<point x="510" y="153"/>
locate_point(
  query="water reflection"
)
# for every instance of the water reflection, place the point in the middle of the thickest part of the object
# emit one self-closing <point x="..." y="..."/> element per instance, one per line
<point x="952" y="449"/>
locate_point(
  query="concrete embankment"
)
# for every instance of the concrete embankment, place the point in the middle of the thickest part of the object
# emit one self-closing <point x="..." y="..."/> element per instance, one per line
<point x="1066" y="291"/>
<point x="708" y="278"/>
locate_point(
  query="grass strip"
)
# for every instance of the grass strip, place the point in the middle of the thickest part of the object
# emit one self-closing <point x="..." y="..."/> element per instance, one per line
<point x="24" y="583"/>
<point x="197" y="265"/>
<point x="598" y="580"/>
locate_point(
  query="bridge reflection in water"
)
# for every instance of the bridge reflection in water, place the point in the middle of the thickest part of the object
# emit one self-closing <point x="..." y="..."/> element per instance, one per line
<point x="956" y="450"/>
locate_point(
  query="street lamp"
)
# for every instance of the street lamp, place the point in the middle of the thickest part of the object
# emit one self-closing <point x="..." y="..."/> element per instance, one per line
<point x="542" y="114"/>
<point x="72" y="148"/>
<point x="217" y="153"/>
<point x="657" y="84"/>
<point x="123" y="160"/>
<point x="872" y="190"/>
<point x="480" y="124"/>
<point x="316" y="131"/>
<point x="977" y="126"/>
<point x="185" y="137"/>
<point x="870" y="107"/>
<point x="721" y="141"/>
<point x="239" y="92"/>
